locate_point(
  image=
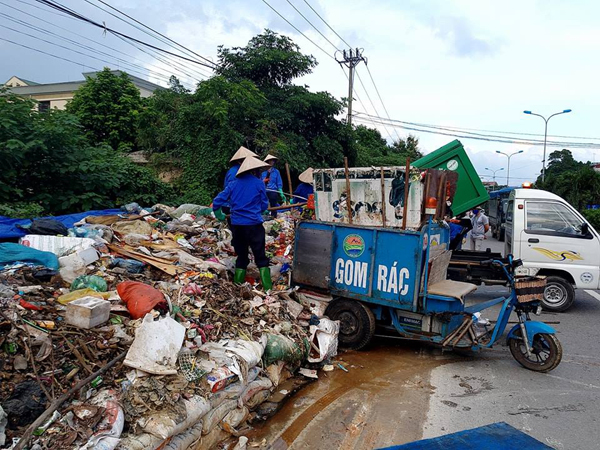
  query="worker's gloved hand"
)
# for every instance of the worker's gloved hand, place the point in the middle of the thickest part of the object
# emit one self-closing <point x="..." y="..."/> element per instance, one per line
<point x="219" y="214"/>
<point x="281" y="195"/>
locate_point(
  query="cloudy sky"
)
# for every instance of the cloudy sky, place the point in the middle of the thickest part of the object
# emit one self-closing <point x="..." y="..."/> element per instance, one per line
<point x="454" y="64"/>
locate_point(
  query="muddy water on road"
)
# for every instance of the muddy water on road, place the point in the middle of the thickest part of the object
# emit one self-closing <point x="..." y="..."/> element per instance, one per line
<point x="382" y="400"/>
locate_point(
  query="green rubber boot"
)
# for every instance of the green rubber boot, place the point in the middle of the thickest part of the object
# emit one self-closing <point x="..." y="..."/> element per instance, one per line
<point x="265" y="278"/>
<point x="240" y="276"/>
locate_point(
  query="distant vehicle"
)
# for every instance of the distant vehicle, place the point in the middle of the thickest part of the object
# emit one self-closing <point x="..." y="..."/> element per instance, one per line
<point x="496" y="211"/>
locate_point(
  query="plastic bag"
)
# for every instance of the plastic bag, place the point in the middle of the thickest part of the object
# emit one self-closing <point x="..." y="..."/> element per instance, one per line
<point x="111" y="425"/>
<point x="94" y="282"/>
<point x="80" y="293"/>
<point x="281" y="348"/>
<point x="130" y="265"/>
<point x="132" y="227"/>
<point x="141" y="298"/>
<point x="46" y="227"/>
<point x="59" y="245"/>
<point x="239" y="356"/>
<point x="325" y="337"/>
<point x="75" y="264"/>
<point x="190" y="208"/>
<point x="11" y="253"/>
<point x="156" y="346"/>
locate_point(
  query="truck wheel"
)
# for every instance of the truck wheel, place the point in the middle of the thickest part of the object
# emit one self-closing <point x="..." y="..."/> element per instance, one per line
<point x="357" y="323"/>
<point x="545" y="356"/>
<point x="559" y="294"/>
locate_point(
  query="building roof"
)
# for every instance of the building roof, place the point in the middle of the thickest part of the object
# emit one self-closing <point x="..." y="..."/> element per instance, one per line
<point x="70" y="86"/>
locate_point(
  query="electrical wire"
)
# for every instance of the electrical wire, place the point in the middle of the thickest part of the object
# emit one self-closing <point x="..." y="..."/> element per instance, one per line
<point x="49" y="54"/>
<point x="504" y="141"/>
<point x="380" y="99"/>
<point x="310" y="23"/>
<point x="295" y="28"/>
<point x="329" y="26"/>
<point x="160" y="34"/>
<point x="512" y="138"/>
<point x="372" y="104"/>
<point x="164" y="75"/>
<point x="196" y="69"/>
<point x="72" y="13"/>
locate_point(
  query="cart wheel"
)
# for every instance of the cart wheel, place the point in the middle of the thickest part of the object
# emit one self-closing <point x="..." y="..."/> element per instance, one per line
<point x="545" y="356"/>
<point x="357" y="323"/>
<point x="559" y="294"/>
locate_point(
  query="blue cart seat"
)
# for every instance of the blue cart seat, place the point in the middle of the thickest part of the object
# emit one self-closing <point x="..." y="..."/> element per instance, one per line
<point x="452" y="289"/>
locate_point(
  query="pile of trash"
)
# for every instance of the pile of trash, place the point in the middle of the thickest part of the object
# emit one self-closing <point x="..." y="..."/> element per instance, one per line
<point x="122" y="330"/>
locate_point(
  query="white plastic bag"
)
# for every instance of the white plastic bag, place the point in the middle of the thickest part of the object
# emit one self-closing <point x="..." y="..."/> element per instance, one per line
<point x="325" y="337"/>
<point x="59" y="245"/>
<point x="156" y="346"/>
<point x="239" y="355"/>
<point x="75" y="264"/>
<point x="111" y="425"/>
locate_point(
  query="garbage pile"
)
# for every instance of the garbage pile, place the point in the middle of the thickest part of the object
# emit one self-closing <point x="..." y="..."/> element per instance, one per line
<point x="124" y="331"/>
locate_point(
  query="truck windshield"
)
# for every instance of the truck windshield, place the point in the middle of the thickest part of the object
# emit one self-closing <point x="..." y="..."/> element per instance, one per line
<point x="546" y="217"/>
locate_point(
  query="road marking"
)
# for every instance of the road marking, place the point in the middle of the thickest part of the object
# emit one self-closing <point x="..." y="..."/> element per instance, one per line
<point x="593" y="294"/>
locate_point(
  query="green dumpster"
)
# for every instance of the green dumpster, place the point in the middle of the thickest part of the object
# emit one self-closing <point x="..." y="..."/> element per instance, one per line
<point x="470" y="191"/>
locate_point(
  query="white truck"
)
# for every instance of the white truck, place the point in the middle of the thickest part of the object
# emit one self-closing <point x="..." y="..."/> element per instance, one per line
<point x="552" y="239"/>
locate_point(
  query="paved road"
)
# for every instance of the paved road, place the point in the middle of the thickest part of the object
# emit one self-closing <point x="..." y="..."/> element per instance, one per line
<point x="397" y="392"/>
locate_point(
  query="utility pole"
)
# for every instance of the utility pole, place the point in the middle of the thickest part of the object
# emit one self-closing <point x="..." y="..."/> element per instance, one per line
<point x="351" y="59"/>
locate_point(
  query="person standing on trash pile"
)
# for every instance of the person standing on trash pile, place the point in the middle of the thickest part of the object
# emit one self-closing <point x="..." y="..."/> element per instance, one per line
<point x="235" y="161"/>
<point x="247" y="198"/>
<point x="273" y="183"/>
<point x="481" y="225"/>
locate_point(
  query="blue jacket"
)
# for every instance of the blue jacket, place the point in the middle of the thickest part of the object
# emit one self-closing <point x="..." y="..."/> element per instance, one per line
<point x="247" y="197"/>
<point x="303" y="190"/>
<point x="275" y="182"/>
<point x="230" y="175"/>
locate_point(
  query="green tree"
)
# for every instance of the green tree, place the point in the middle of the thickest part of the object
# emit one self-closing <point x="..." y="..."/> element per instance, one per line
<point x="373" y="149"/>
<point x="50" y="167"/>
<point x="107" y="106"/>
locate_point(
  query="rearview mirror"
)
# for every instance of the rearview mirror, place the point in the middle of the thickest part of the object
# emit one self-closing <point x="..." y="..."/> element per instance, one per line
<point x="585" y="228"/>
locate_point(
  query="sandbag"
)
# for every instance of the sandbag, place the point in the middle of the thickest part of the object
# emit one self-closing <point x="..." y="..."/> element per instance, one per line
<point x="11" y="253"/>
<point x="164" y="425"/>
<point x="233" y="391"/>
<point x="258" y="385"/>
<point x="46" y="227"/>
<point x="184" y="440"/>
<point x="144" y="441"/>
<point x="132" y="227"/>
<point x="239" y="356"/>
<point x="212" y="419"/>
<point x="235" y="417"/>
<point x="141" y="298"/>
<point x="281" y="348"/>
<point x="258" y="398"/>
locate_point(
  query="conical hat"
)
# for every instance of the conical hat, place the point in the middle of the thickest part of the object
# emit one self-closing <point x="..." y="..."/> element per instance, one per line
<point x="269" y="157"/>
<point x="251" y="163"/>
<point x="306" y="176"/>
<point x="242" y="153"/>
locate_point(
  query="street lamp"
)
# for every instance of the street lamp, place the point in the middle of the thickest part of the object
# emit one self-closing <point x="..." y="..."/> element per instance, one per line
<point x="546" y="135"/>
<point x="494" y="172"/>
<point x="508" y="165"/>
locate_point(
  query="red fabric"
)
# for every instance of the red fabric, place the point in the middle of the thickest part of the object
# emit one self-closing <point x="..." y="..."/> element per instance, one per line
<point x="140" y="298"/>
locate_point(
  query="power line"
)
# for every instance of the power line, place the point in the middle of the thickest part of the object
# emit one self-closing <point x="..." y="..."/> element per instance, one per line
<point x="295" y="28"/>
<point x="372" y="104"/>
<point x="160" y="34"/>
<point x="86" y="47"/>
<point x="325" y="22"/>
<point x="380" y="99"/>
<point x="310" y="23"/>
<point x="511" y="139"/>
<point x="49" y="54"/>
<point x="72" y="13"/>
<point x="73" y="50"/>
<point x="504" y="141"/>
<point x="197" y="70"/>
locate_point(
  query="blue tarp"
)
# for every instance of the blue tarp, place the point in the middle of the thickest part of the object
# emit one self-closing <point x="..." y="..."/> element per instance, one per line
<point x="9" y="229"/>
<point x="504" y="192"/>
<point x="11" y="253"/>
<point x="496" y="436"/>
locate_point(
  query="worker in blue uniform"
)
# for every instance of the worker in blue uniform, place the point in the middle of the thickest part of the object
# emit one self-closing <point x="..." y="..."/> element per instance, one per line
<point x="273" y="183"/>
<point x="235" y="162"/>
<point x="305" y="188"/>
<point x="247" y="197"/>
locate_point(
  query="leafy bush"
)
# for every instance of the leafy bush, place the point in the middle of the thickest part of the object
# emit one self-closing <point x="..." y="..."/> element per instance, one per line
<point x="21" y="210"/>
<point x="593" y="217"/>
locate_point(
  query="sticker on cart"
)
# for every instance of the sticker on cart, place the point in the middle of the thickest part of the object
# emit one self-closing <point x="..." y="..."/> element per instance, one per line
<point x="354" y="245"/>
<point x="587" y="277"/>
<point x="452" y="164"/>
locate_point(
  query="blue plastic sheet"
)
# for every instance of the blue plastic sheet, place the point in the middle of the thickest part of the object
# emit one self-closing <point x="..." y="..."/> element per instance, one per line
<point x="9" y="229"/>
<point x="11" y="253"/>
<point x="496" y="436"/>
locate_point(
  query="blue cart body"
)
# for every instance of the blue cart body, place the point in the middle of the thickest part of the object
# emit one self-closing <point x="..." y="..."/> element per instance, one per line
<point x="379" y="266"/>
